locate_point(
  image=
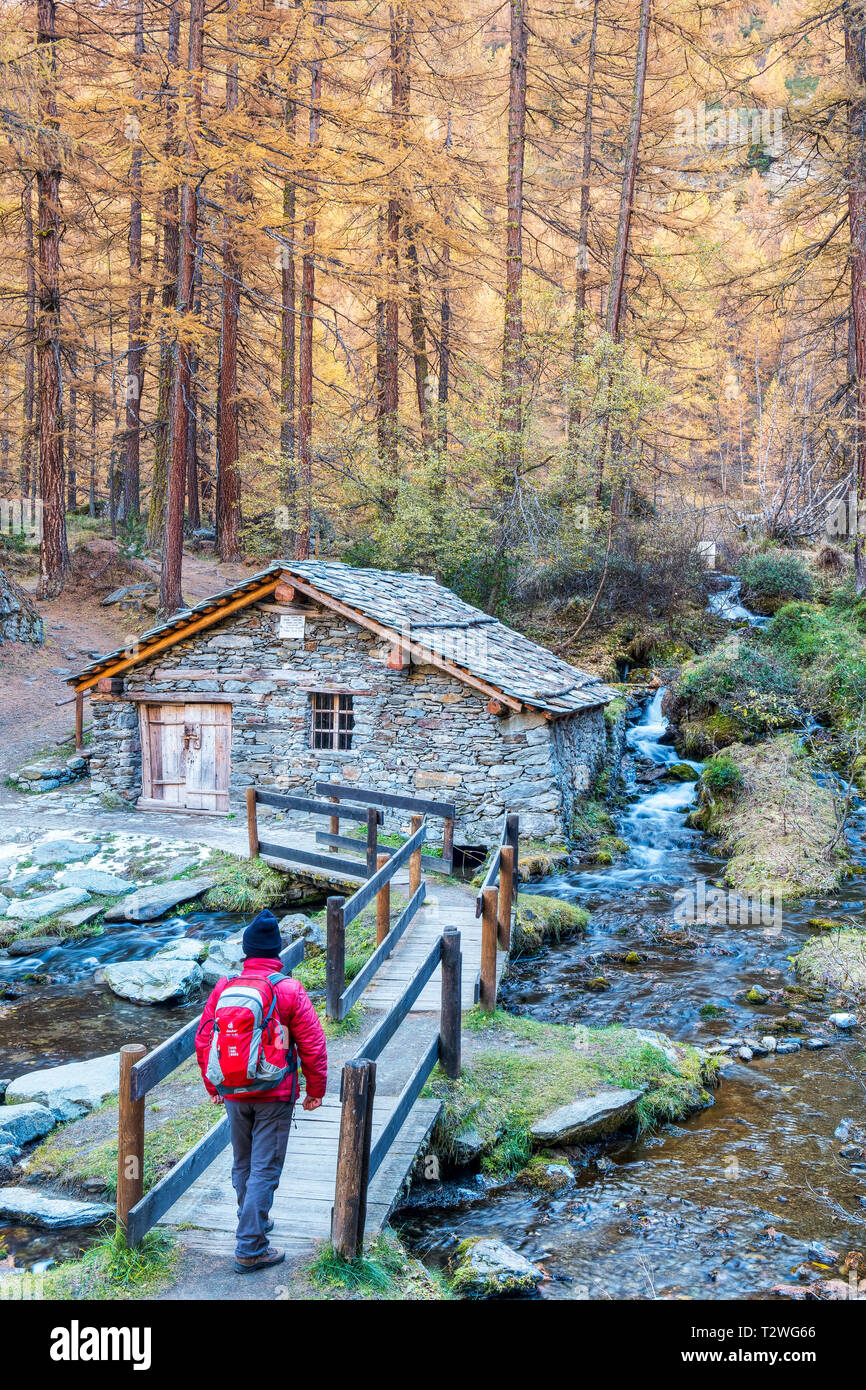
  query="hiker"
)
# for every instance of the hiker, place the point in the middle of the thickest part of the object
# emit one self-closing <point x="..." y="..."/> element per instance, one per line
<point x="252" y="1032"/>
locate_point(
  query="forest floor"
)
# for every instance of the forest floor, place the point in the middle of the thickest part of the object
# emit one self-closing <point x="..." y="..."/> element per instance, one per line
<point x="37" y="712"/>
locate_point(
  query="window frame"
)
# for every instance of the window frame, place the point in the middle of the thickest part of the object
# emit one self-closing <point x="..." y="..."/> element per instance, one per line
<point x="332" y="721"/>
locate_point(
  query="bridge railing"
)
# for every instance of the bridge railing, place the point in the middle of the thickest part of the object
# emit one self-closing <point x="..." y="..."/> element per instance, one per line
<point x="493" y="904"/>
<point x="140" y="1071"/>
<point x="339" y="996"/>
<point x="370" y="816"/>
<point x="391" y="801"/>
<point x="358" y="1158"/>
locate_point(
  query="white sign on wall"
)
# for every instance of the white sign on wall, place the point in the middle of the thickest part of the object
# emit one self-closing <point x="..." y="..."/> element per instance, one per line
<point x="292" y="625"/>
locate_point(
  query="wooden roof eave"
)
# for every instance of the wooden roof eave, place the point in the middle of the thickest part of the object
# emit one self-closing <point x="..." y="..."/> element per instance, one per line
<point x="398" y="639"/>
<point x="180" y="634"/>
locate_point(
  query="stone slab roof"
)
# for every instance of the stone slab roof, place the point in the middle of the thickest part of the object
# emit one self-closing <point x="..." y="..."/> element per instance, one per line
<point x="419" y="609"/>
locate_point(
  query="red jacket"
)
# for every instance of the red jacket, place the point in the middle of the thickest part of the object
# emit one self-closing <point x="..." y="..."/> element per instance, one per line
<point x="298" y="1017"/>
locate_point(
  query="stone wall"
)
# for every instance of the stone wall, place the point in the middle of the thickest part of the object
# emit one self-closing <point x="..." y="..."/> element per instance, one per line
<point x="417" y="730"/>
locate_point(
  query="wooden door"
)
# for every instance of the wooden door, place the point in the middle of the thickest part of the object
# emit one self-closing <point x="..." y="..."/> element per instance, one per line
<point x="185" y="757"/>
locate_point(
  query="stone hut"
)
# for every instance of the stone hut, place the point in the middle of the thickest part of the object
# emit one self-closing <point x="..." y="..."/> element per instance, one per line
<point x="316" y="670"/>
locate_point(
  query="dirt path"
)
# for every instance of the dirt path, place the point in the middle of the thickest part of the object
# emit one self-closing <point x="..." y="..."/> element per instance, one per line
<point x="36" y="709"/>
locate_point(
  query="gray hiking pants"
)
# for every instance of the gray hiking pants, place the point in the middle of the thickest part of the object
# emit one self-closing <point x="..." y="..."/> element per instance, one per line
<point x="259" y="1133"/>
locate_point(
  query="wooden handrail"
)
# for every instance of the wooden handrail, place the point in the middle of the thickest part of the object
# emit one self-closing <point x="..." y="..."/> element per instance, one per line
<point x="342" y="911"/>
<point x="367" y="892"/>
<point x="384" y="1032"/>
<point x="371" y="796"/>
<point x="494" y="904"/>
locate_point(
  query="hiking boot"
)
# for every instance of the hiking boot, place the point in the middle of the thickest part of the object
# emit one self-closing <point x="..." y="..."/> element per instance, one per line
<point x="263" y="1261"/>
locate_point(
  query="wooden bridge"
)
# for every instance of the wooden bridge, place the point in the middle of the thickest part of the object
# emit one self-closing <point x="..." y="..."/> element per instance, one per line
<point x="347" y="1161"/>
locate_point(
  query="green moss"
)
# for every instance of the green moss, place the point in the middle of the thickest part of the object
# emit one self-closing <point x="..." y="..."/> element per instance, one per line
<point x="243" y="885"/>
<point x="614" y="711"/>
<point x="712" y="1011"/>
<point x="539" y="919"/>
<point x="112" y="1270"/>
<point x="523" y="1069"/>
<point x="778" y="830"/>
<point x="384" y="1270"/>
<point x="722" y="776"/>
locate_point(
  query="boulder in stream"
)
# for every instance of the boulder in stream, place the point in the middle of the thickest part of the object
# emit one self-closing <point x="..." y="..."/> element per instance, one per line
<point x="19" y="1124"/>
<point x="487" y="1268"/>
<point x="30" y="1207"/>
<point x="225" y="958"/>
<point x="147" y="904"/>
<point x="586" y="1119"/>
<point x="32" y="946"/>
<point x="95" y="881"/>
<point x="845" y="1022"/>
<point x="46" y="905"/>
<point x="184" y="948"/>
<point x="162" y="981"/>
<point x="68" y="1091"/>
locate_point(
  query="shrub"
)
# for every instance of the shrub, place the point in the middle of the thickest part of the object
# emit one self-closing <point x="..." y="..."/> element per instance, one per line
<point x="773" y="578"/>
<point x="722" y="776"/>
<point x="754" y="688"/>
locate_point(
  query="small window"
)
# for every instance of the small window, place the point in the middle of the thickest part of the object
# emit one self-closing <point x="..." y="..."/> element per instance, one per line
<point x="333" y="721"/>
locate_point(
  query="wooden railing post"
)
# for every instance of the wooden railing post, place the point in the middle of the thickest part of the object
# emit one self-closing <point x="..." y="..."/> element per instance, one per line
<point x="383" y="904"/>
<point x="512" y="838"/>
<point x="79" y="720"/>
<point x="349" y="1213"/>
<point x="506" y="895"/>
<point x="335" y="965"/>
<point x="334" y="824"/>
<point x="252" y="823"/>
<point x="415" y="859"/>
<point x="489" y="905"/>
<point x="130" y="1137"/>
<point x="450" y="1016"/>
<point x="372" y="839"/>
<point x="448" y="841"/>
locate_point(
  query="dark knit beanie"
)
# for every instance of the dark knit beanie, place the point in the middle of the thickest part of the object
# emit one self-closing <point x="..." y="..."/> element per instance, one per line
<point x="262" y="936"/>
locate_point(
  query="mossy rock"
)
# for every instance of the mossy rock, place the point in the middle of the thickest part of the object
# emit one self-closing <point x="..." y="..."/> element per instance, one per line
<point x="486" y="1268"/>
<point x="546" y="1173"/>
<point x="683" y="772"/>
<point x="539" y="919"/>
<point x="823" y="924"/>
<point x="608" y="850"/>
<point x="700" y="738"/>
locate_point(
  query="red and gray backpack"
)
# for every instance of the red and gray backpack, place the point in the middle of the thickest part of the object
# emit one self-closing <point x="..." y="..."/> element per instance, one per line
<point x="246" y="1051"/>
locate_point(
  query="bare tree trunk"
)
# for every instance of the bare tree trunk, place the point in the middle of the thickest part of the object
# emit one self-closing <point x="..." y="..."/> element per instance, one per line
<point x="135" y="352"/>
<point x="54" y="556"/>
<point x="171" y="596"/>
<point x="308" y="302"/>
<point x="626" y="201"/>
<point x="582" y="267"/>
<point x="228" y="487"/>
<point x="511" y="409"/>
<point x="72" y="439"/>
<point x="288" y="331"/>
<point x="855" y="59"/>
<point x="391" y="344"/>
<point x="29" y="343"/>
<point x="445" y="324"/>
<point x="171" y="245"/>
<point x="419" y="340"/>
<point x="94" y="452"/>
